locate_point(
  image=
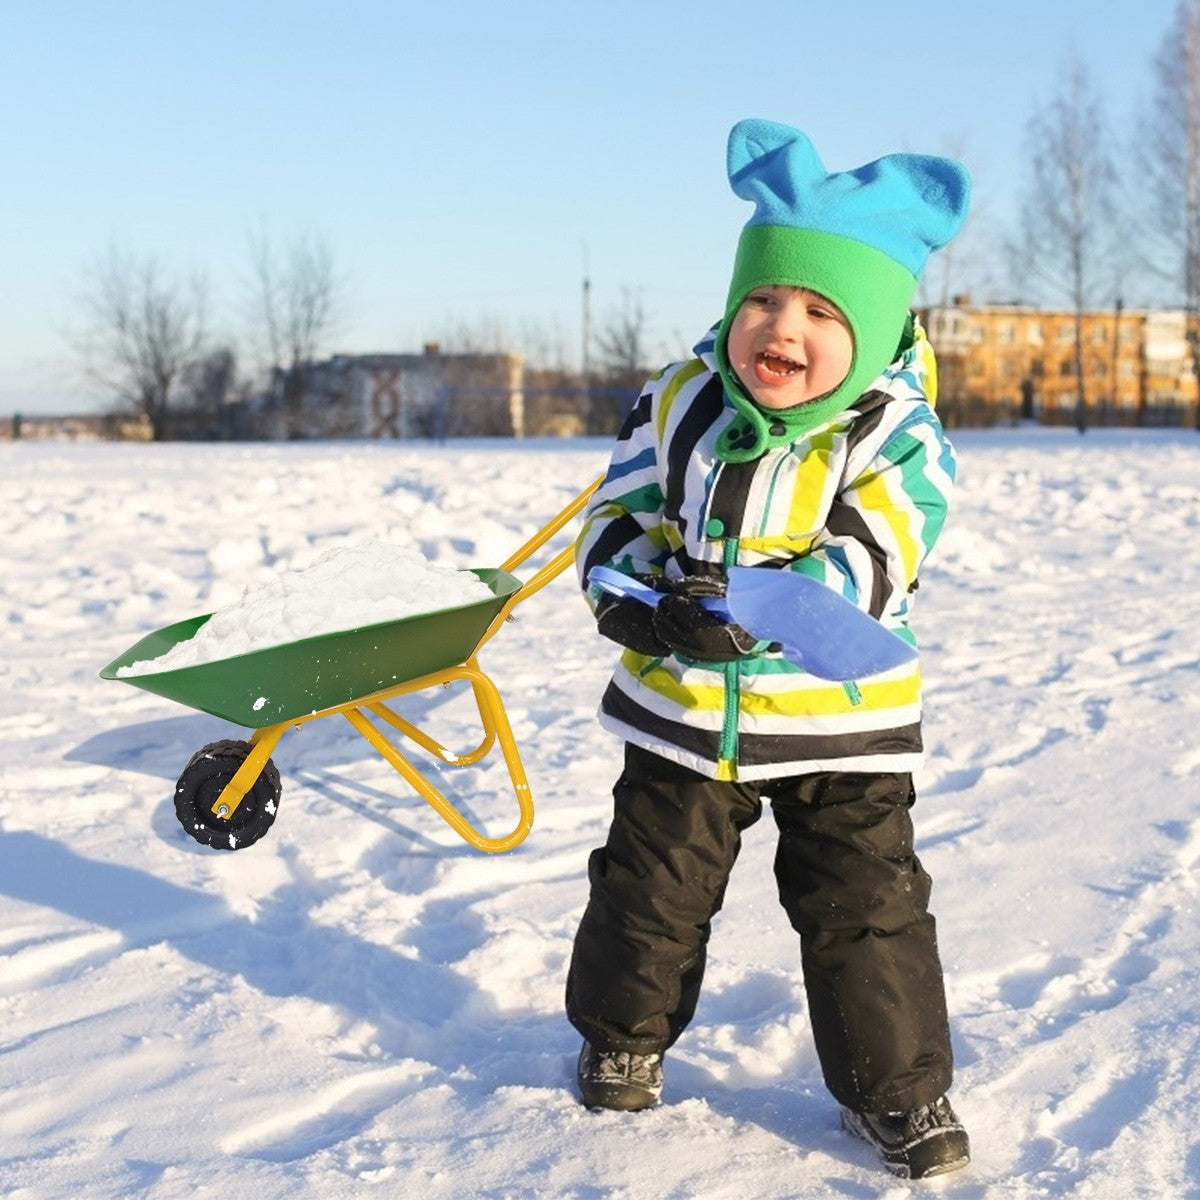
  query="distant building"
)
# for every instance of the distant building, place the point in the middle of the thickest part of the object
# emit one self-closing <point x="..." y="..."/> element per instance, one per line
<point x="393" y="396"/>
<point x="81" y="427"/>
<point x="1000" y="362"/>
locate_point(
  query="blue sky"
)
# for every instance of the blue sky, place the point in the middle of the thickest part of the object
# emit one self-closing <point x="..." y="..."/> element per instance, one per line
<point x="464" y="159"/>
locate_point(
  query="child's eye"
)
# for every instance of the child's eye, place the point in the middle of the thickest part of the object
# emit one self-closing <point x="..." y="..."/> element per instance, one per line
<point x="761" y="299"/>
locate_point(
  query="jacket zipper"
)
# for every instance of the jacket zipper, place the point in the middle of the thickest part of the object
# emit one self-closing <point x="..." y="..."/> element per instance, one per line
<point x="727" y="762"/>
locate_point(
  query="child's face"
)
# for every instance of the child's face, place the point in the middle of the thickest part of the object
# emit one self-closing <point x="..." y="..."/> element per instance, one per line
<point x="789" y="345"/>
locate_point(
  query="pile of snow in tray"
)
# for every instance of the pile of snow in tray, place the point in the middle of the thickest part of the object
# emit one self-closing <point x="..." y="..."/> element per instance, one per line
<point x="361" y="1006"/>
<point x="345" y="588"/>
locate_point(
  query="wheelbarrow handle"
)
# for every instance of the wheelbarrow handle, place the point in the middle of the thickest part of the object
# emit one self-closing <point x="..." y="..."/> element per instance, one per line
<point x="544" y="534"/>
<point x="551" y="570"/>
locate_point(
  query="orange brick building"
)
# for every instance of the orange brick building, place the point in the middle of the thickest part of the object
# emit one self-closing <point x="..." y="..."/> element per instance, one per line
<point x="1010" y="361"/>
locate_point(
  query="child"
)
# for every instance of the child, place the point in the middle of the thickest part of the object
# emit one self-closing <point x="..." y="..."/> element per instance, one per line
<point x="800" y="437"/>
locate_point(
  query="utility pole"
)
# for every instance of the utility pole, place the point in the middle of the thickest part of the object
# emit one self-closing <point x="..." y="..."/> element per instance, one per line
<point x="584" y="356"/>
<point x="585" y="362"/>
<point x="1118" y="305"/>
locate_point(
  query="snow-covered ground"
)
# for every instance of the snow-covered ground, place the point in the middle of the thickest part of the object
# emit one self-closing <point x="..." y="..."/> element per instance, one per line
<point x="361" y="1005"/>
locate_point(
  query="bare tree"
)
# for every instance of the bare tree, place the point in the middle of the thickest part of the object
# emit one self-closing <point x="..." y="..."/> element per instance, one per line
<point x="1068" y="205"/>
<point x="967" y="265"/>
<point x="297" y="300"/>
<point x="619" y="365"/>
<point x="483" y="335"/>
<point x="141" y="332"/>
<point x="1169" y="145"/>
<point x="205" y="387"/>
<point x="955" y="270"/>
<point x="621" y="340"/>
<point x="543" y="345"/>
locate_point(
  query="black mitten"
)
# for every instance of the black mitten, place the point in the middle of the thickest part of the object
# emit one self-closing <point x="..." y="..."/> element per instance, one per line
<point x="686" y="626"/>
<point x="630" y="622"/>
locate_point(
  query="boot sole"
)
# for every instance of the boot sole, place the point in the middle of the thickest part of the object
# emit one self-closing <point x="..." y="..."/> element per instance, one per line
<point x="617" y="1099"/>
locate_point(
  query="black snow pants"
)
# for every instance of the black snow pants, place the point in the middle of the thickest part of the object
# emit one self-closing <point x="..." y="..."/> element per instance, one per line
<point x="851" y="886"/>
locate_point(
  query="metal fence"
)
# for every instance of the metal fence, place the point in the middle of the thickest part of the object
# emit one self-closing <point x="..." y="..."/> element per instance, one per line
<point x="974" y="412"/>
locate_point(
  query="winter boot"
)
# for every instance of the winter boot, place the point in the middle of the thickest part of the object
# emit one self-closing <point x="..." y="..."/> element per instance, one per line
<point x="619" y="1079"/>
<point x="914" y="1145"/>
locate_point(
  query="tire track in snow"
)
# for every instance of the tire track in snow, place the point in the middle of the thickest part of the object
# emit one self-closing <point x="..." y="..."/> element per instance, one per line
<point x="1105" y="980"/>
<point x="336" y="1111"/>
<point x="1128" y="1067"/>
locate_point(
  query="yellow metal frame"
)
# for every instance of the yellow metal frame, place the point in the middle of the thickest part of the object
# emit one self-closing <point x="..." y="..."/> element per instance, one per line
<point x="494" y="719"/>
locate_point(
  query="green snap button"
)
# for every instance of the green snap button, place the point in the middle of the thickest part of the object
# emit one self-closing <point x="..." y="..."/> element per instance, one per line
<point x="715" y="527"/>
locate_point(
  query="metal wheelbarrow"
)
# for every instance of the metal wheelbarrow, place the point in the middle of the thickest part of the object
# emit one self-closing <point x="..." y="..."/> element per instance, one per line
<point x="228" y="794"/>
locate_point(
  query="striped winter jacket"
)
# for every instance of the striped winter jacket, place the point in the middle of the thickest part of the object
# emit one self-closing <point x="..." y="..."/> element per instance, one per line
<point x="857" y="503"/>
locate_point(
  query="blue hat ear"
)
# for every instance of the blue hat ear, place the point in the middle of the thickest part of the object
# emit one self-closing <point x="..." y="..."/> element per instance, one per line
<point x="940" y="190"/>
<point x="772" y="166"/>
<point x="751" y="139"/>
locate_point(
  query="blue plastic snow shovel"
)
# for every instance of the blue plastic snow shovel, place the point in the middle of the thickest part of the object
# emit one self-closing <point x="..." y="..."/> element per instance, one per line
<point x="818" y="630"/>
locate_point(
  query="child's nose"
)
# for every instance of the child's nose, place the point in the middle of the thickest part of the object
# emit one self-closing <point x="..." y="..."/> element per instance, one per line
<point x="791" y="322"/>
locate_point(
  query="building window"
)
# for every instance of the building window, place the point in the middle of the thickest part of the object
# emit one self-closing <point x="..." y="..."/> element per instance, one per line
<point x="1066" y="368"/>
<point x="1066" y="333"/>
<point x="1035" y="333"/>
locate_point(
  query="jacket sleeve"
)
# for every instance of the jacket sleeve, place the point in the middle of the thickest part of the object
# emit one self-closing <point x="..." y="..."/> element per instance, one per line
<point x="622" y="527"/>
<point x="886" y="517"/>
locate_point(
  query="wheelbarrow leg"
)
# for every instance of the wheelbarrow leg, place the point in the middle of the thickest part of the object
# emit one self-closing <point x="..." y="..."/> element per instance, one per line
<point x="496" y="727"/>
<point x="434" y="747"/>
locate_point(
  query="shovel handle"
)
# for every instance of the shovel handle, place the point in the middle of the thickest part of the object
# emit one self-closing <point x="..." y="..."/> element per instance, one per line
<point x="617" y="584"/>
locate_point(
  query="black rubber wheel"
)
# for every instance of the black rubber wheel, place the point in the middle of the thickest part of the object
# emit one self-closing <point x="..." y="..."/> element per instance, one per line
<point x="202" y="781"/>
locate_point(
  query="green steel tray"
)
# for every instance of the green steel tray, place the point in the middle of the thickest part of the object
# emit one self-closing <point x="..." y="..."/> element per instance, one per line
<point x="281" y="683"/>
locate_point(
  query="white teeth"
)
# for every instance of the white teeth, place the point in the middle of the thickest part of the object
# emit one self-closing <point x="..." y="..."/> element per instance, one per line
<point x="790" y="365"/>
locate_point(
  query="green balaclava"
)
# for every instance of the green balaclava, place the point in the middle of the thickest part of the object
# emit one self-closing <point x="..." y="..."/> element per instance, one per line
<point x="859" y="238"/>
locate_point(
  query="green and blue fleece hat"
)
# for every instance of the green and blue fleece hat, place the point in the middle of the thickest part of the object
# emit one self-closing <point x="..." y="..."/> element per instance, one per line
<point x="860" y="238"/>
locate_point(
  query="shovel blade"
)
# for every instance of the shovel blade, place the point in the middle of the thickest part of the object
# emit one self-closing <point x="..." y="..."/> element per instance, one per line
<point x="818" y="630"/>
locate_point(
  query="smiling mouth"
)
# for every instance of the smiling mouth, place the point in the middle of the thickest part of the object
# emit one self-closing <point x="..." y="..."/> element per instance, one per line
<point x="777" y="367"/>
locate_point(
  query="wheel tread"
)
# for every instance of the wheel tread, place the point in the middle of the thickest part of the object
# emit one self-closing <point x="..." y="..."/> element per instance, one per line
<point x="206" y="773"/>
